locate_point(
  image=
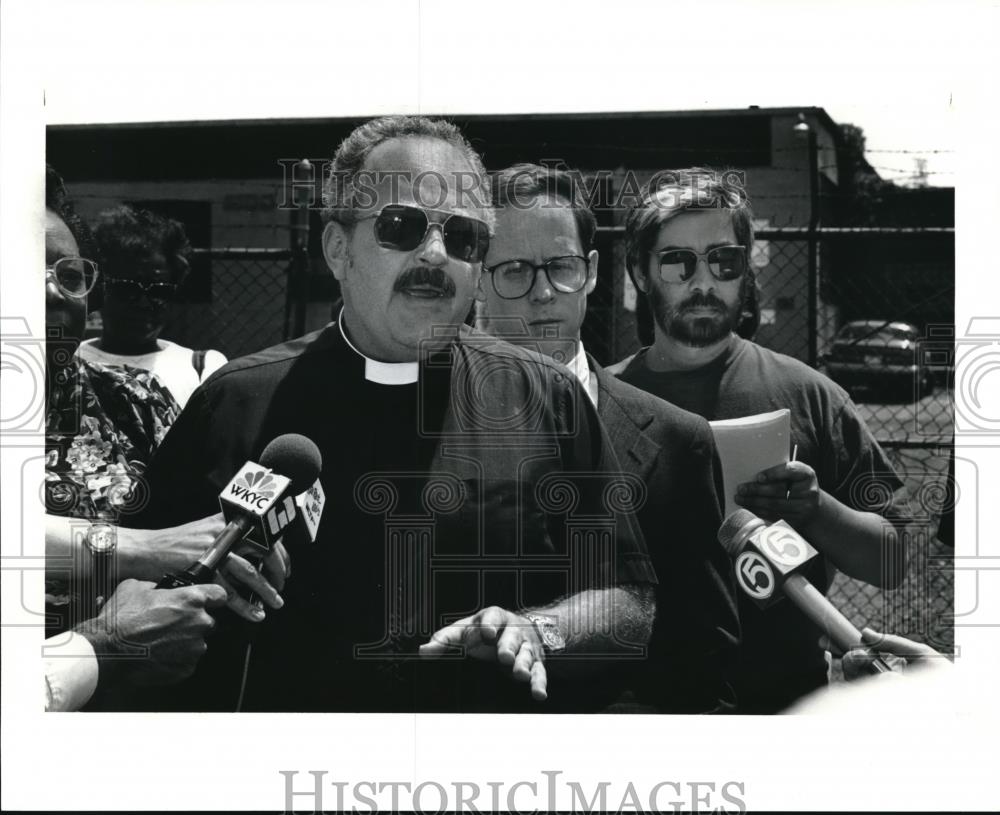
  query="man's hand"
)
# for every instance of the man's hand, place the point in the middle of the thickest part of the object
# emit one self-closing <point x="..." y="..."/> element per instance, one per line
<point x="857" y="661"/>
<point x="148" y="554"/>
<point x="788" y="491"/>
<point x="152" y="636"/>
<point x="496" y="635"/>
<point x="265" y="582"/>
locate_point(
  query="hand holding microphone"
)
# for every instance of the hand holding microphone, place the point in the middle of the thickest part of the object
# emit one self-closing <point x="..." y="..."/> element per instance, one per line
<point x="146" y="554"/>
<point x="260" y="503"/>
<point x="149" y="637"/>
<point x="769" y="561"/>
<point x="902" y="652"/>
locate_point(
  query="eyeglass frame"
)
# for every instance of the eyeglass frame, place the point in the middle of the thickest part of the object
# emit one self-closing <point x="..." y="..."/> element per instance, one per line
<point x="52" y="270"/>
<point x="430" y="223"/>
<point x="143" y="286"/>
<point x="536" y="267"/>
<point x="699" y="256"/>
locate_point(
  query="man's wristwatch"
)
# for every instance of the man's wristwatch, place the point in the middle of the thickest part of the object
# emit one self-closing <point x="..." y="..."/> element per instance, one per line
<point x="547" y="627"/>
<point x="101" y="541"/>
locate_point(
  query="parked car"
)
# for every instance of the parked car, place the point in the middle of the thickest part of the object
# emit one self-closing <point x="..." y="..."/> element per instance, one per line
<point x="881" y="355"/>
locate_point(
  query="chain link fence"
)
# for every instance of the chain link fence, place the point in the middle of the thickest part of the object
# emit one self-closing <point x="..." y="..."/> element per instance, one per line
<point x="254" y="301"/>
<point x="259" y="298"/>
<point x="837" y="299"/>
<point x="879" y="319"/>
<point x="922" y="607"/>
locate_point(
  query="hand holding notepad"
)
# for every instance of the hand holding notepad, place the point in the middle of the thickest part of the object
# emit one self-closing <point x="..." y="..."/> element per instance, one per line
<point x="748" y="445"/>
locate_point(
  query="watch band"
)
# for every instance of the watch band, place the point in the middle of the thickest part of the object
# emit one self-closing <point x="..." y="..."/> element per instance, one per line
<point x="101" y="542"/>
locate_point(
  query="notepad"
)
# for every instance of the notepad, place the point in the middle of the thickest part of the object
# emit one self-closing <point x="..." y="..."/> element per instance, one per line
<point x="748" y="445"/>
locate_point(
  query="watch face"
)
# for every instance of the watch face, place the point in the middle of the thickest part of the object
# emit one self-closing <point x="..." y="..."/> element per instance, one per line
<point x="548" y="630"/>
<point x="551" y="640"/>
<point x="101" y="539"/>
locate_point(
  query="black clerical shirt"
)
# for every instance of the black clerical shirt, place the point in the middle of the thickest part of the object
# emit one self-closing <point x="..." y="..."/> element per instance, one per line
<point x="489" y="481"/>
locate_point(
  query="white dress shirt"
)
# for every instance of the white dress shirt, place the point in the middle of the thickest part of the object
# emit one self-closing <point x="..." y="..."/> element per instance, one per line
<point x="578" y="365"/>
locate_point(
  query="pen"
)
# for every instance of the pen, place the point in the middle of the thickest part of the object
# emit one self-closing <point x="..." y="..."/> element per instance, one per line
<point x="795" y="453"/>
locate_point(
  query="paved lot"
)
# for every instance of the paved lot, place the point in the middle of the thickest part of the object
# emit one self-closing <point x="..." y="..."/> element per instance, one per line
<point x="929" y="420"/>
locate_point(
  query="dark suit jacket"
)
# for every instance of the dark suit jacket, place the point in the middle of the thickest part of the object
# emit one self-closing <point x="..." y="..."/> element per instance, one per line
<point x="697" y="624"/>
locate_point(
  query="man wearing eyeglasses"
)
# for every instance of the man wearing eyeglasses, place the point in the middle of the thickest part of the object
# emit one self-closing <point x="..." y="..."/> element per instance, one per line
<point x="539" y="270"/>
<point x="688" y="245"/>
<point x="451" y="558"/>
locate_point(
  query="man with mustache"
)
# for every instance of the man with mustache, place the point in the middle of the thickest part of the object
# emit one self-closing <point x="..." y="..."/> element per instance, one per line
<point x="688" y="245"/>
<point x="472" y="508"/>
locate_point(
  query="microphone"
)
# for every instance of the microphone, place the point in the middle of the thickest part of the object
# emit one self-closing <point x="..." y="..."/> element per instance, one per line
<point x="260" y="502"/>
<point x="769" y="562"/>
<point x="310" y="506"/>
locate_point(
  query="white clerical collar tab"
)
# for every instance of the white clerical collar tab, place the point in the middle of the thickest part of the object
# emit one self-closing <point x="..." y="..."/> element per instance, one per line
<point x="391" y="373"/>
<point x="383" y="373"/>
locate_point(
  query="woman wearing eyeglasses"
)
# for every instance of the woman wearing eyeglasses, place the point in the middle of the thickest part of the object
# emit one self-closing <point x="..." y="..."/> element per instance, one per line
<point x="143" y="262"/>
<point x="102" y="425"/>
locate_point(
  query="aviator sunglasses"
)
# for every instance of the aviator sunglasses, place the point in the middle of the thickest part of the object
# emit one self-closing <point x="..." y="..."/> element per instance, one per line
<point x="724" y="262"/>
<point x="404" y="228"/>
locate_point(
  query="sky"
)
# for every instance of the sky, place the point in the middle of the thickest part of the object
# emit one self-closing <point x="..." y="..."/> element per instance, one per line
<point x="889" y="67"/>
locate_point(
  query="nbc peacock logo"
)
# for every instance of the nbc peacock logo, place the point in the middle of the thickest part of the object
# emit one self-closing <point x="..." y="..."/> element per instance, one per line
<point x="260" y="482"/>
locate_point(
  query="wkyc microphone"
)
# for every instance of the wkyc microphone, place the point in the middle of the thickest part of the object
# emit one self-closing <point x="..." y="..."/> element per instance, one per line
<point x="260" y="503"/>
<point x="310" y="505"/>
<point x="773" y="557"/>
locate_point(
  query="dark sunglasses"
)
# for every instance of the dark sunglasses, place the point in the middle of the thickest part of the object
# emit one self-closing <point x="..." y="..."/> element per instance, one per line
<point x="132" y="290"/>
<point x="724" y="262"/>
<point x="404" y="228"/>
<point x="513" y="279"/>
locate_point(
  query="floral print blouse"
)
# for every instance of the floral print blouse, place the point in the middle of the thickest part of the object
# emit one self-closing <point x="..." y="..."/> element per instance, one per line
<point x="102" y="426"/>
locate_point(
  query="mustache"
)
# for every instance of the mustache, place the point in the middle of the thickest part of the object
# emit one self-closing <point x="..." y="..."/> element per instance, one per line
<point x="699" y="300"/>
<point x="425" y="276"/>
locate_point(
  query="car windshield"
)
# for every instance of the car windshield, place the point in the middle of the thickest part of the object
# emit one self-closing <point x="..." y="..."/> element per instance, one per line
<point x="867" y="331"/>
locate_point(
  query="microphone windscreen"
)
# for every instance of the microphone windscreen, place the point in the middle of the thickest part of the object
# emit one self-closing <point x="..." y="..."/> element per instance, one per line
<point x="731" y="534"/>
<point x="296" y="457"/>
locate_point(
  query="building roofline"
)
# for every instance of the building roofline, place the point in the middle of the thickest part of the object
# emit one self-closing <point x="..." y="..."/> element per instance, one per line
<point x="753" y="111"/>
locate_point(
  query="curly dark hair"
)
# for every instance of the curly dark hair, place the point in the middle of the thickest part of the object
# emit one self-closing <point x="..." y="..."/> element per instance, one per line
<point x="58" y="200"/>
<point x="126" y="235"/>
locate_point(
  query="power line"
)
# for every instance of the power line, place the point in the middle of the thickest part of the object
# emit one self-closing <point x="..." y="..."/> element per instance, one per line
<point x="908" y="152"/>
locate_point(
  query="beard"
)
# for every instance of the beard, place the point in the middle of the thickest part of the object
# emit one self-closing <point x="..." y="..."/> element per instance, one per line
<point x="696" y="330"/>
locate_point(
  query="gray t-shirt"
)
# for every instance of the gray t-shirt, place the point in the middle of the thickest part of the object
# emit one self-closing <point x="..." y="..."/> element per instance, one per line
<point x="780" y="658"/>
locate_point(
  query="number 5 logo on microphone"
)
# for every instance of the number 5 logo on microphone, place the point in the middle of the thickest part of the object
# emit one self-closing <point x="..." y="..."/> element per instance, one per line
<point x="754" y="575"/>
<point x="784" y="546"/>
